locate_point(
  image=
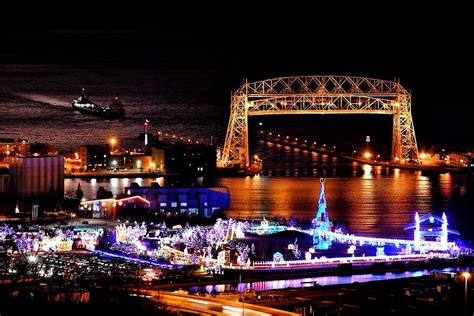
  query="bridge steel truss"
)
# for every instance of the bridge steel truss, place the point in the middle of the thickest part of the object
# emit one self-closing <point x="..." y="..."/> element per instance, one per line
<point x="319" y="95"/>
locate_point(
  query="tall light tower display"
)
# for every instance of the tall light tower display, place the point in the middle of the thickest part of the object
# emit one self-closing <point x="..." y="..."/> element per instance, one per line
<point x="145" y="127"/>
<point x="320" y="239"/>
<point x="444" y="234"/>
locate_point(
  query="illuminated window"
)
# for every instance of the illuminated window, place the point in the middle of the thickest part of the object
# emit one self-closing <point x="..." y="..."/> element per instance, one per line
<point x="174" y="204"/>
<point x="163" y="204"/>
<point x="184" y="204"/>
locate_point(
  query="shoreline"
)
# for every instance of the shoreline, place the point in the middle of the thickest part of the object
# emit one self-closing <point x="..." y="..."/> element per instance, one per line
<point x="231" y="276"/>
<point x="120" y="174"/>
<point x="423" y="168"/>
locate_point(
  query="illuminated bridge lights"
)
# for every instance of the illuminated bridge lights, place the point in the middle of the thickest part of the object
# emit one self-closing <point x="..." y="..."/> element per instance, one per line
<point x="319" y="95"/>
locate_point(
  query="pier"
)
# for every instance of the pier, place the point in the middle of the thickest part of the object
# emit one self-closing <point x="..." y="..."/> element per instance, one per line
<point x="311" y="146"/>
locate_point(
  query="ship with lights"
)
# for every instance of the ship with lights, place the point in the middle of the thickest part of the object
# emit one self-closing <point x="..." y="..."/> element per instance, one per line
<point x="84" y="105"/>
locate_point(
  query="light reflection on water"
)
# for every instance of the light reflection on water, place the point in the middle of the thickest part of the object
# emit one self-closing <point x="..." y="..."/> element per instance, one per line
<point x="377" y="206"/>
<point x="369" y="200"/>
<point x="307" y="282"/>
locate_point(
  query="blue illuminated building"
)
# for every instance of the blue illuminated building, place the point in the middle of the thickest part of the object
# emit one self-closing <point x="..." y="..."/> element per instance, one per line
<point x="203" y="201"/>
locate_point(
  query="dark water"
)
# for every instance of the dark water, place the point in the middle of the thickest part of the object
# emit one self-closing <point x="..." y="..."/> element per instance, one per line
<point x="310" y="281"/>
<point x="35" y="104"/>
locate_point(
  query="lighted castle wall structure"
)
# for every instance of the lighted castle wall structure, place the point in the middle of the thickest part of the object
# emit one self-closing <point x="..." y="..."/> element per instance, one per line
<point x="321" y="240"/>
<point x="430" y="231"/>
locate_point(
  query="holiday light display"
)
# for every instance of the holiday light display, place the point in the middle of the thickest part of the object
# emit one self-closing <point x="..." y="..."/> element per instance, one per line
<point x="130" y="234"/>
<point x="431" y="232"/>
<point x="5" y="231"/>
<point x="320" y="239"/>
<point x="90" y="238"/>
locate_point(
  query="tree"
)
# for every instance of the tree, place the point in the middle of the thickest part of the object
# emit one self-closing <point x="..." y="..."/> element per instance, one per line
<point x="79" y="194"/>
<point x="103" y="193"/>
<point x="296" y="250"/>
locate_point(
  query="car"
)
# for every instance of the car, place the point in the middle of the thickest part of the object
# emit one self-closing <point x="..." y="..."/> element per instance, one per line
<point x="85" y="222"/>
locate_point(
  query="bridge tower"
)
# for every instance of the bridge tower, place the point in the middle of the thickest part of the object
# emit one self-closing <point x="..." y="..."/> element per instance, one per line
<point x="320" y="240"/>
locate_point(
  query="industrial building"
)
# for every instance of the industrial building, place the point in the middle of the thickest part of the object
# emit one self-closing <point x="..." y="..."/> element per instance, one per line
<point x="183" y="158"/>
<point x="37" y="177"/>
<point x="94" y="157"/>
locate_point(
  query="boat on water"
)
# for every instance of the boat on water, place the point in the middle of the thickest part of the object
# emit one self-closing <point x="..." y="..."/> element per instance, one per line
<point x="83" y="104"/>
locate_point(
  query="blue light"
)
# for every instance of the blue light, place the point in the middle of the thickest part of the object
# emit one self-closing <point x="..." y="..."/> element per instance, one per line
<point x="137" y="260"/>
<point x="431" y="219"/>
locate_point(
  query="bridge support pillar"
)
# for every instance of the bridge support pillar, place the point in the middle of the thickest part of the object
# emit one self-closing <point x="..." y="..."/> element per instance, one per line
<point x="396" y="137"/>
<point x="236" y="144"/>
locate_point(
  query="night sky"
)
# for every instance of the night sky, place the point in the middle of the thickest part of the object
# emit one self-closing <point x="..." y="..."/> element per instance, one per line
<point x="429" y="52"/>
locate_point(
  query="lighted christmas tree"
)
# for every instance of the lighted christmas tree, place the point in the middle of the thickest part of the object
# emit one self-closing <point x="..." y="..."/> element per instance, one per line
<point x="320" y="239"/>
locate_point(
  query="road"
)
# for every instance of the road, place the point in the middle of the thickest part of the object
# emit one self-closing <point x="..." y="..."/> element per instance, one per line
<point x="210" y="305"/>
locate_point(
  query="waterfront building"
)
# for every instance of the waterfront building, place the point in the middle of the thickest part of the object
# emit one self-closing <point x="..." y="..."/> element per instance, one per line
<point x="94" y="157"/>
<point x="111" y="207"/>
<point x="36" y="177"/>
<point x="203" y="201"/>
<point x="131" y="161"/>
<point x="183" y="158"/>
<point x="11" y="147"/>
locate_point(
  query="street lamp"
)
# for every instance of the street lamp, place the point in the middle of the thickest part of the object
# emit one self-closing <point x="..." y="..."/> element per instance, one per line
<point x="112" y="141"/>
<point x="466" y="276"/>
